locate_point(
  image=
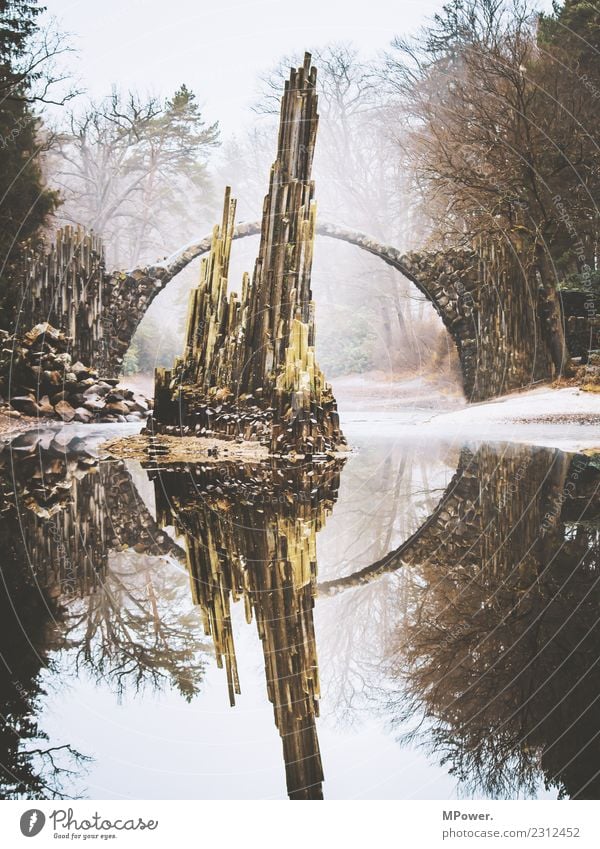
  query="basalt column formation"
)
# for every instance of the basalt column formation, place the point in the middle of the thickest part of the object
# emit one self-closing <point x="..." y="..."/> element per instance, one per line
<point x="248" y="369"/>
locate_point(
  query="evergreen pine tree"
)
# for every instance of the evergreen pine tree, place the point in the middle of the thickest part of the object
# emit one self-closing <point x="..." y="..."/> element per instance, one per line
<point x="25" y="202"/>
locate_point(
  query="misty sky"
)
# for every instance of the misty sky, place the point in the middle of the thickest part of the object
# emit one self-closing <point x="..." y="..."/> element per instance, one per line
<point x="217" y="48"/>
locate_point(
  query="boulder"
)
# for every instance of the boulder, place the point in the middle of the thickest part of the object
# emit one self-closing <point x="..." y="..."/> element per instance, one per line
<point x="46" y="408"/>
<point x="56" y="397"/>
<point x="25" y="404"/>
<point x="140" y="404"/>
<point x="119" y="407"/>
<point x="53" y="377"/>
<point x="99" y="388"/>
<point x="46" y="332"/>
<point x="65" y="411"/>
<point x="77" y="399"/>
<point x="80" y="371"/>
<point x="94" y="403"/>
<point x="83" y="415"/>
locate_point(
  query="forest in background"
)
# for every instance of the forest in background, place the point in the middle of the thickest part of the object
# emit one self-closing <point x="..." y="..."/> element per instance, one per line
<point x="485" y="121"/>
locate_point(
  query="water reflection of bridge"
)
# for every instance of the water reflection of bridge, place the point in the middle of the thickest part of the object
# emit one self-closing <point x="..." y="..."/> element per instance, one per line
<point x="249" y="533"/>
<point x="494" y="655"/>
<point x="489" y="492"/>
<point x="497" y="642"/>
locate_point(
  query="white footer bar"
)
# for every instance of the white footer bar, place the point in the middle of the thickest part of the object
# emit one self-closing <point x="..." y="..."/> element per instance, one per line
<point x="424" y="825"/>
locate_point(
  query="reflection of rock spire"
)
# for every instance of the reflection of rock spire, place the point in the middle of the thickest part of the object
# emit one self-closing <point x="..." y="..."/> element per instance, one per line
<point x="251" y="535"/>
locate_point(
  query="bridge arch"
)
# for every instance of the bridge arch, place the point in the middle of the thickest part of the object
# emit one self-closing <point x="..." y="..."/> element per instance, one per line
<point x="488" y="300"/>
<point x="449" y="288"/>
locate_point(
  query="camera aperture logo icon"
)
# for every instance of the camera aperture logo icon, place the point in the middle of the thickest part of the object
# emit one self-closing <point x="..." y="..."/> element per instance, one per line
<point x="32" y="822"/>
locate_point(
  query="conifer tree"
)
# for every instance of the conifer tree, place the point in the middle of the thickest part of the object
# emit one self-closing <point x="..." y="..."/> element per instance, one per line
<point x="25" y="201"/>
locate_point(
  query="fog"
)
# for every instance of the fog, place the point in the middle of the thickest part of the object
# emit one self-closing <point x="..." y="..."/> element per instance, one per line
<point x="233" y="58"/>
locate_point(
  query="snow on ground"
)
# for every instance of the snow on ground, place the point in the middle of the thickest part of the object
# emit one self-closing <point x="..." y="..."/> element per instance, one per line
<point x="567" y="418"/>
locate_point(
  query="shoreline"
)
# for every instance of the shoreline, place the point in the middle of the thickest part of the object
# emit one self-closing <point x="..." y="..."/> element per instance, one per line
<point x="560" y="417"/>
<point x="554" y="417"/>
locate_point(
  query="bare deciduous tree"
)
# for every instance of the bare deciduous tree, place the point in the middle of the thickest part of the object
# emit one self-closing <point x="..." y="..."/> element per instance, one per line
<point x="134" y="170"/>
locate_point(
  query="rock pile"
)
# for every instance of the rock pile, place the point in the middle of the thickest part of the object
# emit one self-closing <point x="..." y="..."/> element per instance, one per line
<point x="591" y="373"/>
<point x="232" y="486"/>
<point x="39" y="379"/>
<point x="216" y="414"/>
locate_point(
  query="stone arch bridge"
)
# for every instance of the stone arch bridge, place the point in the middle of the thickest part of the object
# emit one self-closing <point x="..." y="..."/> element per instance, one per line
<point x="486" y="299"/>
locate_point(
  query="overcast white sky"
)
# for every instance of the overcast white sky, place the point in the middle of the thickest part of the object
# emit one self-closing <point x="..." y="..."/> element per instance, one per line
<point x="218" y="48"/>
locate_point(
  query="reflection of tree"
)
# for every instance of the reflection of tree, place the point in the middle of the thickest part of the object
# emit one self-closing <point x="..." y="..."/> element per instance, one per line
<point x="500" y="654"/>
<point x="87" y="571"/>
<point x="250" y="534"/>
<point x="29" y="767"/>
<point x="93" y="545"/>
<point x="136" y="628"/>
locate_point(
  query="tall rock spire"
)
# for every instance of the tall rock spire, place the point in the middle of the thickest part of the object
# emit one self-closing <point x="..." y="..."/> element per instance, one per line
<point x="249" y="366"/>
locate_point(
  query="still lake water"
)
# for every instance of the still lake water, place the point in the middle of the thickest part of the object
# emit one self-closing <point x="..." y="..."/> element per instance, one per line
<point x="198" y="632"/>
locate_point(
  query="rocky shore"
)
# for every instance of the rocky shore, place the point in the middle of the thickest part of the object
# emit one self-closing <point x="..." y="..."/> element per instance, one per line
<point x="38" y="379"/>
